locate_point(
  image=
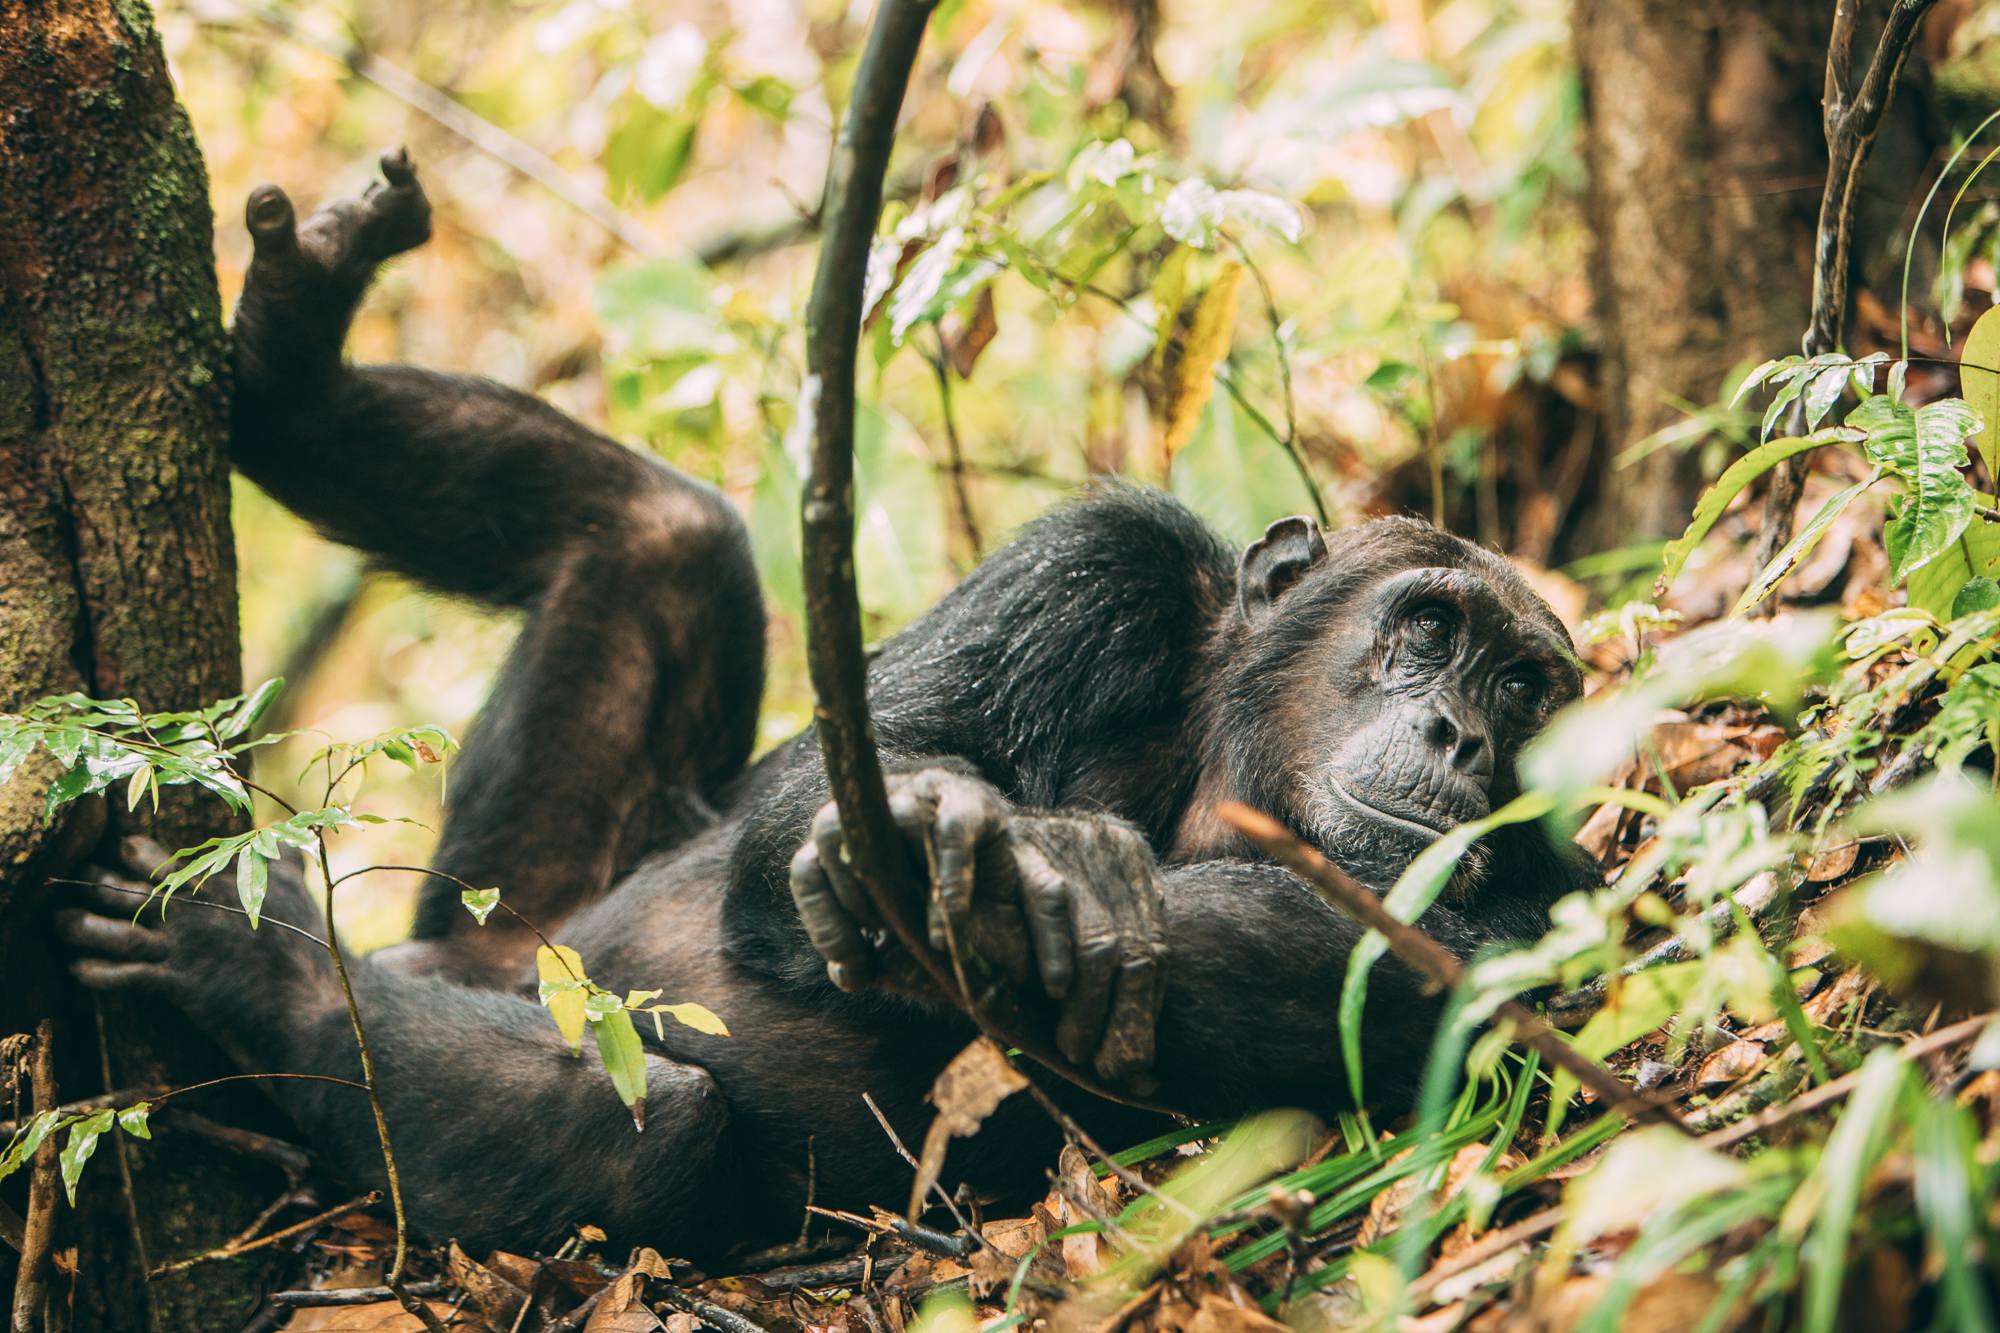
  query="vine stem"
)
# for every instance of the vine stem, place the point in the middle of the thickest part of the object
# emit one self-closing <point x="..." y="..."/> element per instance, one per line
<point x="1852" y="116"/>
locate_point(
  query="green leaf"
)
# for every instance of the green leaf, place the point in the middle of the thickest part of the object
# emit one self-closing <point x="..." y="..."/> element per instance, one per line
<point x="1802" y="543"/>
<point x="1717" y="498"/>
<point x="1937" y="503"/>
<point x="133" y="1120"/>
<point x="562" y="991"/>
<point x="1415" y="890"/>
<point x="1980" y="594"/>
<point x="625" y="1060"/>
<point x="82" y="1142"/>
<point x="30" y="1137"/>
<point x="695" y="1016"/>
<point x="252" y="877"/>
<point x="1638" y="1004"/>
<point x="1824" y="391"/>
<point x="1857" y="1141"/>
<point x="247" y="714"/>
<point x="1979" y="381"/>
<point x="1762" y="374"/>
<point x="1975" y="555"/>
<point x="480" y="902"/>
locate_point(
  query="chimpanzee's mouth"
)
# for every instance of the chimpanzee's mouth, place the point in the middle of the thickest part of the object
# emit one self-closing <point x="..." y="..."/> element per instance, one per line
<point x="1425" y="824"/>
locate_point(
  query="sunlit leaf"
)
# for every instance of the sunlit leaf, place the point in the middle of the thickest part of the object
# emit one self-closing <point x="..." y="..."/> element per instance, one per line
<point x="563" y="991"/>
<point x="624" y="1059"/>
<point x="1207" y="344"/>
<point x="480" y="902"/>
<point x="1717" y="498"/>
<point x="1802" y="543"/>
<point x="1979" y="382"/>
<point x="133" y="1120"/>
<point x="77" y="1149"/>
<point x="253" y="874"/>
<point x="697" y="1017"/>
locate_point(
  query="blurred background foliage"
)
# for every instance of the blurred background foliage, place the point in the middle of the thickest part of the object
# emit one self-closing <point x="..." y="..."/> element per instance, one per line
<point x="1367" y="216"/>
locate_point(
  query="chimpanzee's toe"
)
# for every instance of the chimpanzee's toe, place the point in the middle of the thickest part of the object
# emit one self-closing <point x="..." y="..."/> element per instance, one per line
<point x="393" y="215"/>
<point x="268" y="215"/>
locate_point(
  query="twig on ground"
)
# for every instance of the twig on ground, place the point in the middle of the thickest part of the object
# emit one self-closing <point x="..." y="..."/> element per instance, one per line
<point x="1828" y="1093"/>
<point x="240" y="1246"/>
<point x="1132" y="1180"/>
<point x="723" y="1321"/>
<point x="1436" y="962"/>
<point x="341" y="1296"/>
<point x="38" y="1228"/>
<point x="1852" y="116"/>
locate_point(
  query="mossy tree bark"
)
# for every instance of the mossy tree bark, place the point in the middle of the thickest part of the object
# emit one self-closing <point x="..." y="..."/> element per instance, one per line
<point x="117" y="577"/>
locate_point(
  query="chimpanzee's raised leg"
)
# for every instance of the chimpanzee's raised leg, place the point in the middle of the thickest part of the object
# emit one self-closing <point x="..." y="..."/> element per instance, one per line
<point x="632" y="694"/>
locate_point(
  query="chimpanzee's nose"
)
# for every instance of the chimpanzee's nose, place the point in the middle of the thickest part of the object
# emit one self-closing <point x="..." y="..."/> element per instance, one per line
<point x="1463" y="745"/>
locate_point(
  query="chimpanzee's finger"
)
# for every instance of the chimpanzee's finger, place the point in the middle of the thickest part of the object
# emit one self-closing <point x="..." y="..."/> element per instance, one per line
<point x="832" y="847"/>
<point x="849" y="961"/>
<point x="1094" y="958"/>
<point x="97" y="974"/>
<point x="1127" y="1044"/>
<point x="142" y="857"/>
<point x="108" y="937"/>
<point x="966" y="819"/>
<point x="1045" y="903"/>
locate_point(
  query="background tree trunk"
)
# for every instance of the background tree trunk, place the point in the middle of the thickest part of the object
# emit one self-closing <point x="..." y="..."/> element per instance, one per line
<point x="1702" y="138"/>
<point x="117" y="577"/>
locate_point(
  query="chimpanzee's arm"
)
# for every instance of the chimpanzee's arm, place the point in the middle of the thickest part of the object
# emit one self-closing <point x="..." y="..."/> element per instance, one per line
<point x="484" y="1105"/>
<point x="1255" y="964"/>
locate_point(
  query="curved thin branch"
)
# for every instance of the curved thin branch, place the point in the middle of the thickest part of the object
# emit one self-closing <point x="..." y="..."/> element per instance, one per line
<point x="849" y="212"/>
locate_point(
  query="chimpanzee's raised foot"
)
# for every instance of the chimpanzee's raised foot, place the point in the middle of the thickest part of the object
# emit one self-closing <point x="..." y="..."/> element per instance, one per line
<point x="347" y="238"/>
<point x="305" y="280"/>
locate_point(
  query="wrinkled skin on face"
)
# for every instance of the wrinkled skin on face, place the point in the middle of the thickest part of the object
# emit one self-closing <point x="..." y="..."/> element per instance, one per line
<point x="1380" y="689"/>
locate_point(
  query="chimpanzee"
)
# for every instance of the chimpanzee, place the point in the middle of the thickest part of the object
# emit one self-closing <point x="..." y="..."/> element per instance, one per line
<point x="1058" y="731"/>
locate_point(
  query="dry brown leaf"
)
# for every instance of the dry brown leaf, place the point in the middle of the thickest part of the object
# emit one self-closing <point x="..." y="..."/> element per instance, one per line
<point x="964" y="341"/>
<point x="971" y="1087"/>
<point x="1217" y="1313"/>
<point x="622" y="1308"/>
<point x="1831" y="1007"/>
<point x="494" y="1296"/>
<point x="1731" y="1063"/>
<point x="376" y="1317"/>
<point x="1832" y="863"/>
<point x="1386" y="1208"/>
<point x="1207" y="344"/>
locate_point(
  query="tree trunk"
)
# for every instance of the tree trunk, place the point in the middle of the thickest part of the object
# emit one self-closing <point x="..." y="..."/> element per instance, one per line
<point x="117" y="577"/>
<point x="1702" y="138"/>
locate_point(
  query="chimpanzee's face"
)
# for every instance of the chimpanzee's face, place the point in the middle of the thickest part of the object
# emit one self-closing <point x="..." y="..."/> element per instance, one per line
<point x="1439" y="683"/>
<point x="1402" y="671"/>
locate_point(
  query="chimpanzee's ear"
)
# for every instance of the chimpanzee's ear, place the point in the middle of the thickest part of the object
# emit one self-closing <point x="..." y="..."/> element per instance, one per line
<point x="1275" y="561"/>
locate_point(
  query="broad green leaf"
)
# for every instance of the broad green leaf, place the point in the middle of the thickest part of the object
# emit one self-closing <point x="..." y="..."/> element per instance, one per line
<point x="1717" y="498"/>
<point x="1937" y="503"/>
<point x="624" y="1059"/>
<point x="133" y="1120"/>
<point x="1976" y="554"/>
<point x="246" y="715"/>
<point x="1979" y="382"/>
<point x="30" y="1137"/>
<point x="1824" y="391"/>
<point x="1762" y="374"/>
<point x="82" y="1142"/>
<point x="252" y="878"/>
<point x="480" y="902"/>
<point x="1802" y="543"/>
<point x="564" y="987"/>
<point x="1980" y="594"/>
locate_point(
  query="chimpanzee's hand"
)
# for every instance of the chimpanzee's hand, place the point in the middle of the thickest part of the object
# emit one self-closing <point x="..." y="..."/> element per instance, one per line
<point x="197" y="951"/>
<point x="1067" y="903"/>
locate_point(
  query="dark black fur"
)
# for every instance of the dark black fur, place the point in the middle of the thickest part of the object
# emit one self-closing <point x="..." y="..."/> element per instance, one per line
<point x="1113" y="661"/>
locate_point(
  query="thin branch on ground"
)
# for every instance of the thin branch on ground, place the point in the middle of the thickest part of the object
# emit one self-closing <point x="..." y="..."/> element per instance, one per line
<point x="1435" y="962"/>
<point x="1852" y="116"/>
<point x="240" y="1246"/>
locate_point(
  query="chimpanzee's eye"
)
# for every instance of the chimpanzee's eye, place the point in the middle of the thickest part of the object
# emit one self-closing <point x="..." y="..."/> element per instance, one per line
<point x="1525" y="691"/>
<point x="1430" y="626"/>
